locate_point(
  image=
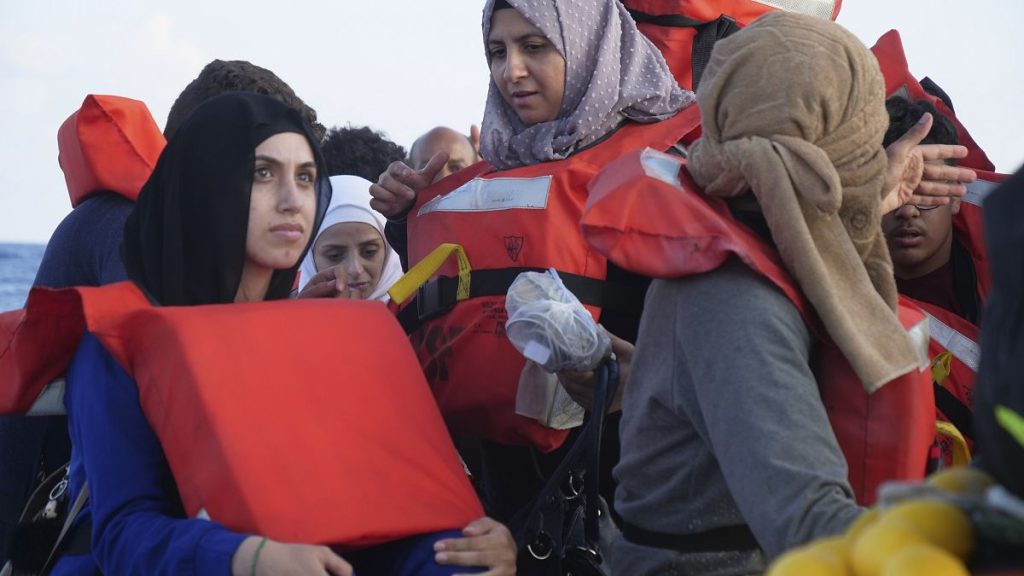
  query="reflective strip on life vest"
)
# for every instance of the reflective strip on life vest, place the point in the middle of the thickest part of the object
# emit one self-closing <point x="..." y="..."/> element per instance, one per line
<point x="492" y="194"/>
<point x="965" y="349"/>
<point x="664" y="167"/>
<point x="50" y="401"/>
<point x="824" y="9"/>
<point x="978" y="190"/>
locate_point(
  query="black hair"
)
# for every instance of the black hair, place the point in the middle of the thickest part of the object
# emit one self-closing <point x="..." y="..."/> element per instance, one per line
<point x="904" y="114"/>
<point x="359" y="151"/>
<point x="222" y="76"/>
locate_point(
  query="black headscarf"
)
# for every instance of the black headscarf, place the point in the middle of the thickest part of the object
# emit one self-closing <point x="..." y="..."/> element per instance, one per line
<point x="184" y="243"/>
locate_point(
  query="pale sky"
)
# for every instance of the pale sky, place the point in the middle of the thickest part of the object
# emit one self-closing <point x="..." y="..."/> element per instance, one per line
<point x="400" y="66"/>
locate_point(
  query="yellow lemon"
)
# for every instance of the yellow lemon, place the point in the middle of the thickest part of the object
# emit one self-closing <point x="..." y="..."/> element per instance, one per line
<point x="834" y="547"/>
<point x="924" y="560"/>
<point x="859" y="525"/>
<point x="961" y="480"/>
<point x="878" y="543"/>
<point x="808" y="560"/>
<point x="940" y="523"/>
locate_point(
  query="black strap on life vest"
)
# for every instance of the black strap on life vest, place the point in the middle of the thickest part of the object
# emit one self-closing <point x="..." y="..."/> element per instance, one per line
<point x="725" y="539"/>
<point x="957" y="412"/>
<point x="438" y="296"/>
<point x="708" y="33"/>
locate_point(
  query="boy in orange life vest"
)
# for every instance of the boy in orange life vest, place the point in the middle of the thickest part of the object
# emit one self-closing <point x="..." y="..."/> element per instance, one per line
<point x="921" y="239"/>
<point x="935" y="269"/>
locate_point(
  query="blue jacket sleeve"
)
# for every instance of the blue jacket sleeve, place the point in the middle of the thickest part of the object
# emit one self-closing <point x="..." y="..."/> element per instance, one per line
<point x="132" y="496"/>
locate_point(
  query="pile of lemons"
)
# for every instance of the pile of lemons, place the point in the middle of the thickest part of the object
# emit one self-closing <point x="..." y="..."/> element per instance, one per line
<point x="926" y="537"/>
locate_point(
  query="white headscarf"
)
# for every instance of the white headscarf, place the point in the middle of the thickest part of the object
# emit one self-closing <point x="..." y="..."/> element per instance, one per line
<point x="351" y="203"/>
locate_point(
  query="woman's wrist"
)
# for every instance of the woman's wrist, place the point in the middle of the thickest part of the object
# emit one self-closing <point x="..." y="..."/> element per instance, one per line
<point x="242" y="562"/>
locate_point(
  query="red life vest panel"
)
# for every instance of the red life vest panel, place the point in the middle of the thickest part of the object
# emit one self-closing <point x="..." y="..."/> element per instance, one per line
<point x="329" y="440"/>
<point x="685" y="31"/>
<point x="955" y="353"/>
<point x="38" y="342"/>
<point x="672" y="231"/>
<point x="526" y="217"/>
<point x="969" y="227"/>
<point x="109" y="144"/>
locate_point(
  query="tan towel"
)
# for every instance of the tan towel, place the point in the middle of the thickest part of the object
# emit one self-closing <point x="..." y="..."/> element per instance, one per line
<point x="793" y="109"/>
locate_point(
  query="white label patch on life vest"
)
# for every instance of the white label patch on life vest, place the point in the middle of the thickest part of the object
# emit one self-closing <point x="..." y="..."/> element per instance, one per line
<point x="978" y="190"/>
<point x="819" y="8"/>
<point x="491" y="194"/>
<point x="965" y="349"/>
<point x="918" y="334"/>
<point x="664" y="167"/>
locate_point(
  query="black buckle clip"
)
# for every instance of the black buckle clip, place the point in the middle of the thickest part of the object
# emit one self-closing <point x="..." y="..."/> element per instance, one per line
<point x="435" y="298"/>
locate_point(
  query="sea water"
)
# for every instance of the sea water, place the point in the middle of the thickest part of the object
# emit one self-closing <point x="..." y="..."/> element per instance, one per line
<point x="18" y="265"/>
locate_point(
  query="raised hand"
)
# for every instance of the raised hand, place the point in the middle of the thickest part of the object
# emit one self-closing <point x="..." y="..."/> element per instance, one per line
<point x="396" y="189"/>
<point x="917" y="173"/>
<point x="329" y="283"/>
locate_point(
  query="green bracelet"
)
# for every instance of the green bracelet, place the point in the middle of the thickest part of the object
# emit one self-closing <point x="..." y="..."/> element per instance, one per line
<point x="256" y="555"/>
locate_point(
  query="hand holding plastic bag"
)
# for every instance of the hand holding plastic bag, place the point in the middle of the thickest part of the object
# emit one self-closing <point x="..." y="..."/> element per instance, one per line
<point x="553" y="330"/>
<point x="550" y="326"/>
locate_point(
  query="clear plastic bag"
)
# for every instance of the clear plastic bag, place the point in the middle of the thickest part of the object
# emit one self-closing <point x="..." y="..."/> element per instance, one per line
<point x="549" y="326"/>
<point x="553" y="330"/>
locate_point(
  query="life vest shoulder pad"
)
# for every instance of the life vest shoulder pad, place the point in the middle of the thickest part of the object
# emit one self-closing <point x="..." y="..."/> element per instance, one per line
<point x="647" y="215"/>
<point x="38" y="342"/>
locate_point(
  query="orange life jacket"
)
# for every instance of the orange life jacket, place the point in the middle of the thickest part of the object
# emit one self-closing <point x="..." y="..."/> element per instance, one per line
<point x="332" y="439"/>
<point x="969" y="227"/>
<point x="645" y="214"/>
<point x="507" y="222"/>
<point x="109" y="144"/>
<point x="686" y="30"/>
<point x="955" y="353"/>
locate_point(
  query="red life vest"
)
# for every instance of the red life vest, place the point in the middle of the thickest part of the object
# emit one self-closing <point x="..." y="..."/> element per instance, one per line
<point x="645" y="214"/>
<point x="109" y="144"/>
<point x="515" y="219"/>
<point x="685" y="31"/>
<point x="330" y="440"/>
<point x="957" y="338"/>
<point x="969" y="229"/>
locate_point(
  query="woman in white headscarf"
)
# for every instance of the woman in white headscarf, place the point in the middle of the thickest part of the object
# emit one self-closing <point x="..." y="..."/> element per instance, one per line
<point x="351" y="239"/>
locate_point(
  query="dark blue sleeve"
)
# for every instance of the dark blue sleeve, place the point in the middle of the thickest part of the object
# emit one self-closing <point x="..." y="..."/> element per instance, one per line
<point x="132" y="496"/>
<point x="85" y="249"/>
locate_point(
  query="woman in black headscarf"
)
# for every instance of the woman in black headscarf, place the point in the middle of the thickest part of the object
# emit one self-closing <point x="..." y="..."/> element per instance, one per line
<point x="226" y="216"/>
<point x="201" y="232"/>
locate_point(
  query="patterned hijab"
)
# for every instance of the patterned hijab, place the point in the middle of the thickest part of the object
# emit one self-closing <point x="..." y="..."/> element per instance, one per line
<point x="612" y="74"/>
